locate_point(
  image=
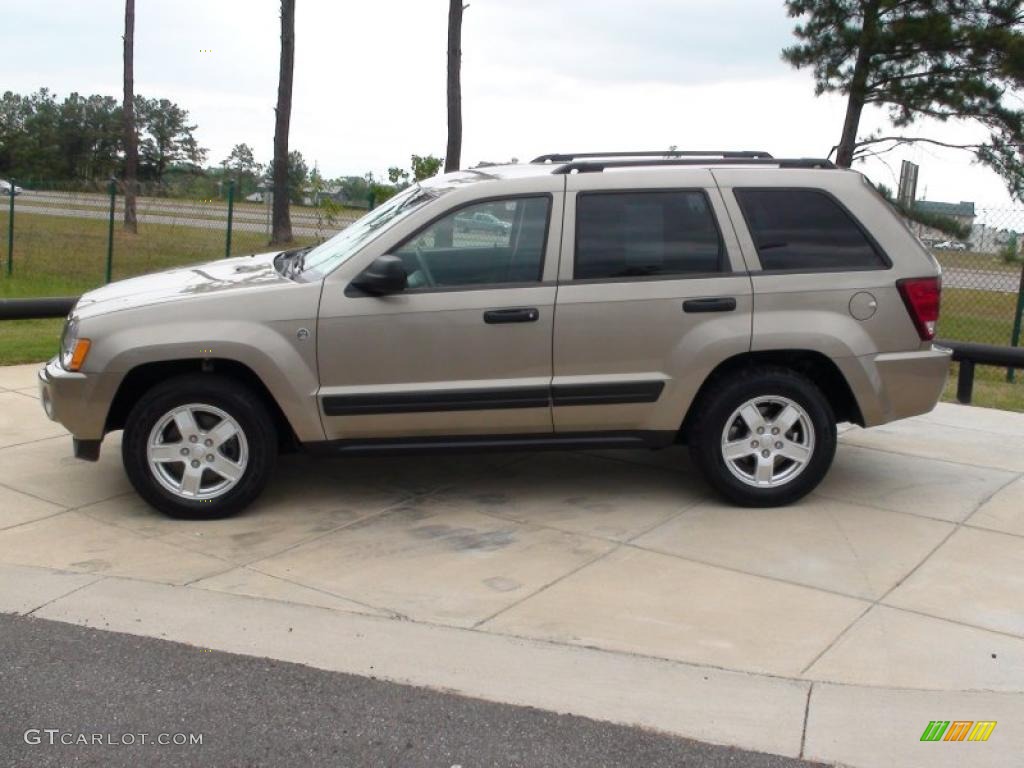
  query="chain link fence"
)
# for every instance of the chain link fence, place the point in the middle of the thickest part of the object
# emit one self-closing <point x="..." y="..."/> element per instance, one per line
<point x="982" y="277"/>
<point x="61" y="239"/>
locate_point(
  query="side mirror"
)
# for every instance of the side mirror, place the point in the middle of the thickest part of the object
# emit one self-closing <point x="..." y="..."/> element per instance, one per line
<point x="385" y="275"/>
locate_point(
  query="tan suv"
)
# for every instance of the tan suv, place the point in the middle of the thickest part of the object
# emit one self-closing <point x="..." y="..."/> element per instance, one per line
<point x="738" y="303"/>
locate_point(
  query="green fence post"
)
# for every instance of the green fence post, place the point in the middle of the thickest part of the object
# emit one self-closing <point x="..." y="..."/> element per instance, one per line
<point x="1017" y="321"/>
<point x="231" y="211"/>
<point x="10" y="232"/>
<point x="110" y="233"/>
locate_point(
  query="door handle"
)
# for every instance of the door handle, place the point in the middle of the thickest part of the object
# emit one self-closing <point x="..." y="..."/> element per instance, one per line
<point x="516" y="315"/>
<point x="720" y="304"/>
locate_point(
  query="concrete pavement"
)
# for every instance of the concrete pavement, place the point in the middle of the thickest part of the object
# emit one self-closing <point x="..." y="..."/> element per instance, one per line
<point x="604" y="584"/>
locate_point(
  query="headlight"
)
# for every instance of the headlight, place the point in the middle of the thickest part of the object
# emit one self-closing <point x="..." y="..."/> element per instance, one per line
<point x="72" y="348"/>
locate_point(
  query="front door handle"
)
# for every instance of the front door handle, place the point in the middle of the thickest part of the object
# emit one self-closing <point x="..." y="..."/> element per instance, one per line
<point x="720" y="304"/>
<point x="516" y="315"/>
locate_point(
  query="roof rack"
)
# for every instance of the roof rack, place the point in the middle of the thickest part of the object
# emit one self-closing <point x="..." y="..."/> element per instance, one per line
<point x="663" y="154"/>
<point x="596" y="166"/>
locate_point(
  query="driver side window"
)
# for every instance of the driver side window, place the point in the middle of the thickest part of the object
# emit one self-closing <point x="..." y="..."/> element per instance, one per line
<point x="489" y="243"/>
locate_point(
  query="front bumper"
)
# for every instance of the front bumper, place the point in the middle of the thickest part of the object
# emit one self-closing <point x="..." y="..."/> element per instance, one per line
<point x="78" y="401"/>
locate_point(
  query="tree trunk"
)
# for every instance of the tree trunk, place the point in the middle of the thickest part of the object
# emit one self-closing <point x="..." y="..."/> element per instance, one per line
<point x="281" y="222"/>
<point x="131" y="139"/>
<point x="858" y="86"/>
<point x="453" y="157"/>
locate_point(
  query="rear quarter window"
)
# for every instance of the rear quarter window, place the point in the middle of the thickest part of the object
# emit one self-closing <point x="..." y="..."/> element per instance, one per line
<point x="806" y="230"/>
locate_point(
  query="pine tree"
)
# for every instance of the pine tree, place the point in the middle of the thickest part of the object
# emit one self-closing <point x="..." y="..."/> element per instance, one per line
<point x="943" y="59"/>
<point x="281" y="227"/>
<point x="453" y="157"/>
<point x="131" y="139"/>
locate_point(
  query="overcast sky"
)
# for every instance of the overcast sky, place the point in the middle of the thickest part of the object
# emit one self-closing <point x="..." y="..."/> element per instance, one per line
<point x="538" y="76"/>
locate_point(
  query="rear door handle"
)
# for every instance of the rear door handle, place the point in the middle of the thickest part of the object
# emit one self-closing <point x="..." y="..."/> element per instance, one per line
<point x="721" y="304"/>
<point x="516" y="315"/>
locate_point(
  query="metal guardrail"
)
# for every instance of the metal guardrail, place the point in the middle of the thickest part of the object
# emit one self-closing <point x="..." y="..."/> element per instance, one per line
<point x="969" y="354"/>
<point x="34" y="309"/>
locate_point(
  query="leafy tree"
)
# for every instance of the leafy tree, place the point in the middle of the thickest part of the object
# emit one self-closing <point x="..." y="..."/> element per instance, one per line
<point x="426" y="166"/>
<point x="1011" y="251"/>
<point x="281" y="222"/>
<point x="944" y="59"/>
<point x="241" y="166"/>
<point x="166" y="137"/>
<point x="421" y="167"/>
<point x="298" y="175"/>
<point x="398" y="177"/>
<point x="355" y="188"/>
<point x="88" y="135"/>
<point x="39" y="145"/>
<point x="82" y="138"/>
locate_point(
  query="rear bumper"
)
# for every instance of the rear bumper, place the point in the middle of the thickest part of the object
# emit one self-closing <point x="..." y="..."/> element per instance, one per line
<point x="897" y="385"/>
<point x="79" y="402"/>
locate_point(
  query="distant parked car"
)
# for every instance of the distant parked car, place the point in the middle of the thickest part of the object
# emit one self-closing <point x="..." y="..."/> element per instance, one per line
<point x="5" y="188"/>
<point x="482" y="221"/>
<point x="950" y="245"/>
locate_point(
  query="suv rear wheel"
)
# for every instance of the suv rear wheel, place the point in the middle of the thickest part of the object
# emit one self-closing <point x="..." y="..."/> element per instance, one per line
<point x="199" y="446"/>
<point x="766" y="439"/>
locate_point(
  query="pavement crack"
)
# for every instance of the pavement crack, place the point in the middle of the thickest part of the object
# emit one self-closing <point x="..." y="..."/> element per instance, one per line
<point x="807" y="712"/>
<point x="563" y="577"/>
<point x="66" y="594"/>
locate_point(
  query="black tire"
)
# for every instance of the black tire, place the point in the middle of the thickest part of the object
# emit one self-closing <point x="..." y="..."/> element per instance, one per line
<point x="714" y="411"/>
<point x="245" y="407"/>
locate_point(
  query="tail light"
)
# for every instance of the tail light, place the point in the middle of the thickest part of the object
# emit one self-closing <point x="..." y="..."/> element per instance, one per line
<point x="922" y="296"/>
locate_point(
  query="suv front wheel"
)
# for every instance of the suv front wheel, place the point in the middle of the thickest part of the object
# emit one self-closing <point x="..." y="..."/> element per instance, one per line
<point x="766" y="439"/>
<point x="199" y="446"/>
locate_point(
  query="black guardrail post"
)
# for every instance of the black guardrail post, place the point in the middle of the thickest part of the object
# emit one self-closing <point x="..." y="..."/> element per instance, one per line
<point x="965" y="382"/>
<point x="968" y="355"/>
<point x="1018" y="316"/>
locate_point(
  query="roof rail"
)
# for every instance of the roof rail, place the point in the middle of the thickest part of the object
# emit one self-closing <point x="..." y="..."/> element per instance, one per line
<point x="596" y="166"/>
<point x="664" y="154"/>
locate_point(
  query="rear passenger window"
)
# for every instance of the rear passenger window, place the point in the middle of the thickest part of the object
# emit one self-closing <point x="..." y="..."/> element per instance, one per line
<point x="645" y="234"/>
<point x="805" y="229"/>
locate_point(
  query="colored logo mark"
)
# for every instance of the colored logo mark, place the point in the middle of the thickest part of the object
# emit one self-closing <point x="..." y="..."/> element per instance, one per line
<point x="958" y="730"/>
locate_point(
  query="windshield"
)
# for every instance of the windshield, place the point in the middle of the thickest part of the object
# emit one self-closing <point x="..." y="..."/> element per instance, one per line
<point x="331" y="254"/>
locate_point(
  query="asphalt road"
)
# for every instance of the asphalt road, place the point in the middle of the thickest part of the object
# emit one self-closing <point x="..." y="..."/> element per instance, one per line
<point x="259" y="712"/>
<point x="183" y="220"/>
<point x="981" y="279"/>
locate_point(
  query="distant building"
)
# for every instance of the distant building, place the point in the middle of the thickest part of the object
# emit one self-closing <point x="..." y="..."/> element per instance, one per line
<point x="963" y="212"/>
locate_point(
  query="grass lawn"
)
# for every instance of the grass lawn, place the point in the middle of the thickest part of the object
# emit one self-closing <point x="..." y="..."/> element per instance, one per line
<point x="985" y="317"/>
<point x="988" y="262"/>
<point x="991" y="389"/>
<point x="56" y="256"/>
